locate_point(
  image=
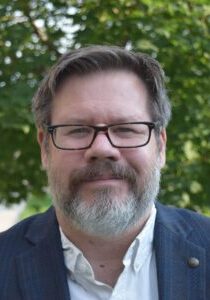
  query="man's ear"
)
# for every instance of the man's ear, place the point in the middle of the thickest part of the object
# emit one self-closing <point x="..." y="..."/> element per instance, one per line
<point x="162" y="147"/>
<point x="41" y="138"/>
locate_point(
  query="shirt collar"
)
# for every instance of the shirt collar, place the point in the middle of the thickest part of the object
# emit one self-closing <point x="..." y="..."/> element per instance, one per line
<point x="142" y="246"/>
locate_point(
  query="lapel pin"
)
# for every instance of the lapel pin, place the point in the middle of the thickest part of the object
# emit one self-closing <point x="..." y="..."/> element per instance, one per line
<point x="193" y="262"/>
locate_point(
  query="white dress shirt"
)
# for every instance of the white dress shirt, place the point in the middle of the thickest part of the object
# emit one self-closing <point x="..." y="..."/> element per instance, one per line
<point x="138" y="279"/>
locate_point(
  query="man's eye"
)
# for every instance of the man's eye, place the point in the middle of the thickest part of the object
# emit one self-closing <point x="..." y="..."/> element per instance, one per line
<point x="124" y="130"/>
<point x="127" y="129"/>
<point x="79" y="131"/>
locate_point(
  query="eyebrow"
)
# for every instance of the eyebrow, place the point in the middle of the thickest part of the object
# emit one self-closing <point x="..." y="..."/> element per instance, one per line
<point x="75" y="121"/>
<point x="119" y="120"/>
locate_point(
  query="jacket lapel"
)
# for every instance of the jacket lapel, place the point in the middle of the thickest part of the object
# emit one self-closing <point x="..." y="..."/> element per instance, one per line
<point x="41" y="270"/>
<point x="178" y="277"/>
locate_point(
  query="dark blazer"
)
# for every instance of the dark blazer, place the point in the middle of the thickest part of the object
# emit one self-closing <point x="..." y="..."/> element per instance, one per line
<point x="32" y="264"/>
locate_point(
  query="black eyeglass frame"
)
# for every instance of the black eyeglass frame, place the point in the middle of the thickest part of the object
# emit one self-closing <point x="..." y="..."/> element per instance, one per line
<point x="104" y="128"/>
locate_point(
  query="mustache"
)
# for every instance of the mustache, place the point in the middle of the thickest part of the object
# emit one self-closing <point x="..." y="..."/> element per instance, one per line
<point x="97" y="169"/>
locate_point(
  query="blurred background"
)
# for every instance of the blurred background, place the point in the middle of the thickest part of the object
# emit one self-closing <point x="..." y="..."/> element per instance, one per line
<point x="33" y="34"/>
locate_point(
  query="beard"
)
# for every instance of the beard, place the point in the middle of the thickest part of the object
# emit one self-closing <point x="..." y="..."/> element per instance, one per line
<point x="108" y="212"/>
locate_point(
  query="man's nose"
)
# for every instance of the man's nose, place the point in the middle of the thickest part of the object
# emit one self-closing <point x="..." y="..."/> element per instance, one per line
<point x="102" y="149"/>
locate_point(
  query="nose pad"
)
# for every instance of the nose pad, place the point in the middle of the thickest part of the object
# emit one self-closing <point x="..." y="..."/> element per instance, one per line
<point x="101" y="148"/>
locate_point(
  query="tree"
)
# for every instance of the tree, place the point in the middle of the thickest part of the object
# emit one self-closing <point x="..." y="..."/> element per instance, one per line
<point x="34" y="33"/>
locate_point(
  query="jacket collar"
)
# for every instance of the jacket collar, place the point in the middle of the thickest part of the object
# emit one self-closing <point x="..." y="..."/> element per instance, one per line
<point x="177" y="279"/>
<point x="41" y="270"/>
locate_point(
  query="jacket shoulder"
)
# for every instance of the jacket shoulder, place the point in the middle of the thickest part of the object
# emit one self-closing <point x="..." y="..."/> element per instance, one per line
<point x="182" y="221"/>
<point x="14" y="239"/>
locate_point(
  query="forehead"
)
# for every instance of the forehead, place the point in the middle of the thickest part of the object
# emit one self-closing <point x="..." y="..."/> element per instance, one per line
<point x="102" y="97"/>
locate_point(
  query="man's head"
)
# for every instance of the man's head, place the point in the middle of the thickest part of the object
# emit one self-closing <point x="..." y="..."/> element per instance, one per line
<point x="107" y="184"/>
<point x="96" y="59"/>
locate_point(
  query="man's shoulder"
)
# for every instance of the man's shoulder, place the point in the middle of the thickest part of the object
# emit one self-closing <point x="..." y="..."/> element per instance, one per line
<point x="181" y="221"/>
<point x="28" y="252"/>
<point x="177" y="212"/>
<point x="15" y="237"/>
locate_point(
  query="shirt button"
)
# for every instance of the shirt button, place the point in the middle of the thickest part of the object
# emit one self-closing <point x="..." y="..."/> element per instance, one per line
<point x="193" y="262"/>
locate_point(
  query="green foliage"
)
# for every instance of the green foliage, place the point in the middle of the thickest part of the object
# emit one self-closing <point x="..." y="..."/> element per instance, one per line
<point x="33" y="33"/>
<point x="35" y="206"/>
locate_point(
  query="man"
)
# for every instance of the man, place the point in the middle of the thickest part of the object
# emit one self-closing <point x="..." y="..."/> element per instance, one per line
<point x="101" y="115"/>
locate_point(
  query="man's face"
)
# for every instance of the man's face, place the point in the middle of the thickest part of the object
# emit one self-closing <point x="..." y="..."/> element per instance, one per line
<point x="103" y="190"/>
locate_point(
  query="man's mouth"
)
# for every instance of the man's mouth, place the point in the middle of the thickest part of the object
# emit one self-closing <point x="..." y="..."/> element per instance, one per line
<point x="102" y="179"/>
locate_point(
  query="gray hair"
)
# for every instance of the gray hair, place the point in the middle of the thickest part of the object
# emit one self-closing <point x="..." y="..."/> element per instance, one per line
<point x="85" y="61"/>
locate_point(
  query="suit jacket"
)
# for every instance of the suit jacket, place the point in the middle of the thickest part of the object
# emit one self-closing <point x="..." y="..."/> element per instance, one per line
<point x="32" y="264"/>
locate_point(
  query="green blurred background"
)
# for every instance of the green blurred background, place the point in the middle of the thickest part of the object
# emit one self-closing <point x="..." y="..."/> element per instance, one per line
<point x="33" y="34"/>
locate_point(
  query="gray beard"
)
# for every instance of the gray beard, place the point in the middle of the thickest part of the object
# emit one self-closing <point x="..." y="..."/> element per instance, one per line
<point x="108" y="214"/>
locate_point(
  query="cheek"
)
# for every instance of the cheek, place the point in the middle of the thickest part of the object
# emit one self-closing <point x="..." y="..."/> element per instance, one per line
<point x="135" y="159"/>
<point x="65" y="162"/>
<point x="142" y="159"/>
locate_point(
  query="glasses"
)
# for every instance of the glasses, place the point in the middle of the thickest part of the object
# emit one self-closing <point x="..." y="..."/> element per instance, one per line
<point x="123" y="135"/>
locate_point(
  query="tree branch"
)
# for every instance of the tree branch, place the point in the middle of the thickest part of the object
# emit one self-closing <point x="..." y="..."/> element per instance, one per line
<point x="41" y="34"/>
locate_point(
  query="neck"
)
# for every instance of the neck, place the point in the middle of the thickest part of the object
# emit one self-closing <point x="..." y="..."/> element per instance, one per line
<point x="105" y="254"/>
